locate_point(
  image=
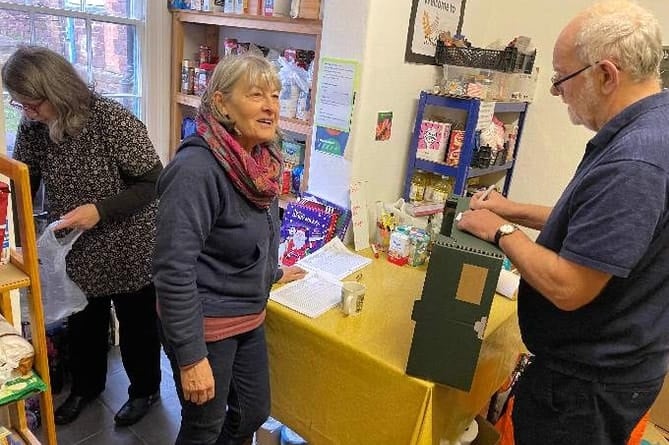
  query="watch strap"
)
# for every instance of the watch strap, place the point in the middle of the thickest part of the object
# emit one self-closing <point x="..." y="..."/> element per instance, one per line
<point x="499" y="234"/>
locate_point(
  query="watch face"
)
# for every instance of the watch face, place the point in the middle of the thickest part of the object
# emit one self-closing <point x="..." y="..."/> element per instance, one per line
<point x="506" y="229"/>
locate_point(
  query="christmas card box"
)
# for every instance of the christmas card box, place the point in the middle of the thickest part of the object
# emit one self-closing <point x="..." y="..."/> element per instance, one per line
<point x="303" y="231"/>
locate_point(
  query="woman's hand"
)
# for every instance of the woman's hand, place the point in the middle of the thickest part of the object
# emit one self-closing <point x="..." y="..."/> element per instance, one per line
<point x="197" y="382"/>
<point x="83" y="217"/>
<point x="291" y="273"/>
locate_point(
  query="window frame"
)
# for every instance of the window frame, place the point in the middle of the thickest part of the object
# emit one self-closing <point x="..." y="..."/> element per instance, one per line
<point x="139" y="13"/>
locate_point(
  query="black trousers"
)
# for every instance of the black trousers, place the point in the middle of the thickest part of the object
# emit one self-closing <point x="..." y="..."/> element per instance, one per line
<point x="551" y="408"/>
<point x="88" y="335"/>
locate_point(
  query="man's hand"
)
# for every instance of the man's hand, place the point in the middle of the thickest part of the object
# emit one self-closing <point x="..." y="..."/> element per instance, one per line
<point x="83" y="217"/>
<point x="481" y="223"/>
<point x="493" y="201"/>
<point x="292" y="273"/>
<point x="197" y="382"/>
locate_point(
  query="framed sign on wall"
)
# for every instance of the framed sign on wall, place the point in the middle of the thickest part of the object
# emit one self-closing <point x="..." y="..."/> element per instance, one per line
<point x="427" y="20"/>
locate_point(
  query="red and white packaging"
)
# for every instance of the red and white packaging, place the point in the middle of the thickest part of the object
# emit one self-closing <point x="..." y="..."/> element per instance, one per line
<point x="454" y="148"/>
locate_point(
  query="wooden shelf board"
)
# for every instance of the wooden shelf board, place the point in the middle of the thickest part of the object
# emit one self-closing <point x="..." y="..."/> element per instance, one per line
<point x="298" y="126"/>
<point x="27" y="436"/>
<point x="283" y="24"/>
<point x="189" y="100"/>
<point x="11" y="277"/>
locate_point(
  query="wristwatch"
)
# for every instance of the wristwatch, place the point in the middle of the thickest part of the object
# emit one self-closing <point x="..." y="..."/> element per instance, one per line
<point x="504" y="229"/>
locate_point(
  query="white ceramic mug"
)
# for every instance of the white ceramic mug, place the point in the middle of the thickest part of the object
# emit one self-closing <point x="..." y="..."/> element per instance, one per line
<point x="352" y="297"/>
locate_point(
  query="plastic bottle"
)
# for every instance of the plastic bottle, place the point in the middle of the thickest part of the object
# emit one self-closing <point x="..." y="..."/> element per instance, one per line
<point x="417" y="188"/>
<point x="442" y="189"/>
<point x="430" y="182"/>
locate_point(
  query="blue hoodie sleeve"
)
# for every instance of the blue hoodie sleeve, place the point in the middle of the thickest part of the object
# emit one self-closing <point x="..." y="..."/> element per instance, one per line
<point x="189" y="200"/>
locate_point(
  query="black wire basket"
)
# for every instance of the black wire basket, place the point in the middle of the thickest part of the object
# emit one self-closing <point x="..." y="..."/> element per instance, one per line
<point x="508" y="60"/>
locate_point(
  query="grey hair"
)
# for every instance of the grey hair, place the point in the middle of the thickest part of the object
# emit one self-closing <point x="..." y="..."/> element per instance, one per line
<point x="254" y="69"/>
<point x="35" y="72"/>
<point x="625" y="33"/>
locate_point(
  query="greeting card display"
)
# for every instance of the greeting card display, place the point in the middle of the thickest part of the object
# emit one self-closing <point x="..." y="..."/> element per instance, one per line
<point x="303" y="231"/>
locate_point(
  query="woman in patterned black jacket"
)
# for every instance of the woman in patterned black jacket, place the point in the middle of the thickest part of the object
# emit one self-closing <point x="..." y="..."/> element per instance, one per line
<point x="99" y="170"/>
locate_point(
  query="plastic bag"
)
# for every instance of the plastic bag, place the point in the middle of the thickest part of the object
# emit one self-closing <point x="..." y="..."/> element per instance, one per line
<point x="61" y="297"/>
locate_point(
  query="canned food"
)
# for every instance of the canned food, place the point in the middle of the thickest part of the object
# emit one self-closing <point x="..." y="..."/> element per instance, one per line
<point x="187" y="77"/>
<point x="205" y="54"/>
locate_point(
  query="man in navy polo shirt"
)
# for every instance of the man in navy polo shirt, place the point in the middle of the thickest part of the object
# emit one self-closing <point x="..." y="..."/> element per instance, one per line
<point x="594" y="297"/>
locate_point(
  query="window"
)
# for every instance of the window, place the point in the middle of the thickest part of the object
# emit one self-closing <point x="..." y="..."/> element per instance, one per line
<point x="101" y="38"/>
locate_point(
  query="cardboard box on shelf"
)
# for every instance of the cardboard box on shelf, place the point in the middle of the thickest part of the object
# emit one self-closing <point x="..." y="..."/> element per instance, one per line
<point x="659" y="413"/>
<point x="306" y="9"/>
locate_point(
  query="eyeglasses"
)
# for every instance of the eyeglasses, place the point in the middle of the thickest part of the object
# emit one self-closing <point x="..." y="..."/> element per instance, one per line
<point x="557" y="81"/>
<point x="27" y="108"/>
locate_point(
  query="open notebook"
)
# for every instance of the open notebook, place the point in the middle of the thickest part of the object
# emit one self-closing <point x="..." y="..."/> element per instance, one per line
<point x="320" y="290"/>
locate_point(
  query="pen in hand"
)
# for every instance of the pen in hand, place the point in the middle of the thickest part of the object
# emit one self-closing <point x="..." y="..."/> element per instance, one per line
<point x="487" y="192"/>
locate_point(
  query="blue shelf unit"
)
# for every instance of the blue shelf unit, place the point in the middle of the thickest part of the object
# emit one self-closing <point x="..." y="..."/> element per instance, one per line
<point x="463" y="171"/>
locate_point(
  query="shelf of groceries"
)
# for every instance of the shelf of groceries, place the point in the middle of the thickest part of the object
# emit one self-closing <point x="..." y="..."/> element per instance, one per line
<point x="294" y="125"/>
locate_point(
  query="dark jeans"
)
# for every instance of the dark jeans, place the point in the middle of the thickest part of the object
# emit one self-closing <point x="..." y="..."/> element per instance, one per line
<point x="241" y="376"/>
<point x="88" y="334"/>
<point x="553" y="408"/>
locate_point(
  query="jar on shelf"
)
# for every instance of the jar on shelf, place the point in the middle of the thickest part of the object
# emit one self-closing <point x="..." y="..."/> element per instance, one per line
<point x="205" y="54"/>
<point x="188" y="76"/>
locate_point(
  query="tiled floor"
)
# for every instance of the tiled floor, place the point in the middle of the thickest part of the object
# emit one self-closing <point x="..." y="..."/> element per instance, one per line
<point x="95" y="425"/>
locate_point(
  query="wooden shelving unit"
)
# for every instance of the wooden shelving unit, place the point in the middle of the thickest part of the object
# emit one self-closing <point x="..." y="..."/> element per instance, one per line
<point x="208" y="26"/>
<point x="23" y="272"/>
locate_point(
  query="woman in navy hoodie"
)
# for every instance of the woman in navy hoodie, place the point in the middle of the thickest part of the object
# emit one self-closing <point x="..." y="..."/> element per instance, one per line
<point x="216" y="254"/>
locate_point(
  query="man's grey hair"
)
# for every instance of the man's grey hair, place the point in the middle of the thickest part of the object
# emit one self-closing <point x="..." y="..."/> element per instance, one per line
<point x="626" y="34"/>
<point x="37" y="73"/>
<point x="254" y="69"/>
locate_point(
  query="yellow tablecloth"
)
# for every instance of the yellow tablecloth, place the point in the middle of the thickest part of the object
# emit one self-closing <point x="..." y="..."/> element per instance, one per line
<point x="340" y="380"/>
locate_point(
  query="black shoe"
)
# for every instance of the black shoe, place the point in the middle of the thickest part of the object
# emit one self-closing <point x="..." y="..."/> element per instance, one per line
<point x="134" y="409"/>
<point x="70" y="409"/>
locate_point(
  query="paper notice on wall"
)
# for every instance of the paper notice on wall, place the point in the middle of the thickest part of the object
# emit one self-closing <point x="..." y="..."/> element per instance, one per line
<point x="337" y="82"/>
<point x="359" y="219"/>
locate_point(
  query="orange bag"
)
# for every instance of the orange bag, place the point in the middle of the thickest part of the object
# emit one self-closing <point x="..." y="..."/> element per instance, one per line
<point x="505" y="427"/>
<point x="505" y="424"/>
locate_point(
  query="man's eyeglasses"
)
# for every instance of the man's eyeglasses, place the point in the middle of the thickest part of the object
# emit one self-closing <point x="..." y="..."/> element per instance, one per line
<point x="557" y="81"/>
<point x="27" y="108"/>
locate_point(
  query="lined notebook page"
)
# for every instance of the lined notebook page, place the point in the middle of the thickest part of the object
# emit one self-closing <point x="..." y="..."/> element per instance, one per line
<point x="334" y="259"/>
<point x="312" y="296"/>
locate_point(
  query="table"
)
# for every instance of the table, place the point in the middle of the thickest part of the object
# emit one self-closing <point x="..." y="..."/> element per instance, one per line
<point x="339" y="380"/>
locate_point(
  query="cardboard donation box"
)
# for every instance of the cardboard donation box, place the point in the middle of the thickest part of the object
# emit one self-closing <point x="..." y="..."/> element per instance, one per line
<point x="659" y="413"/>
<point x="452" y="313"/>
